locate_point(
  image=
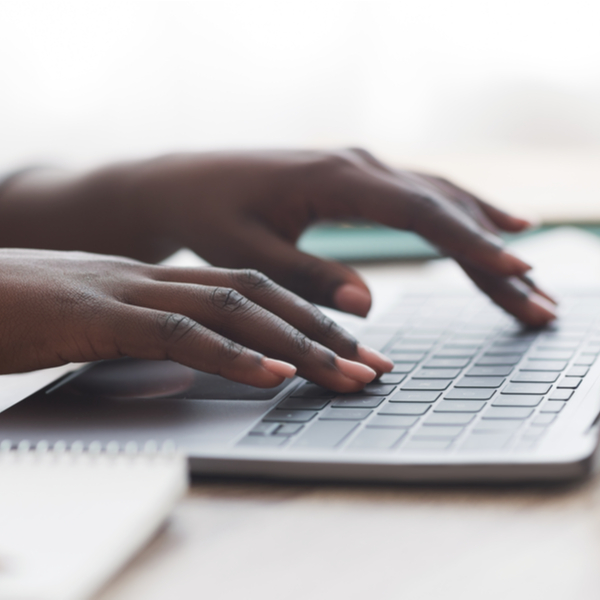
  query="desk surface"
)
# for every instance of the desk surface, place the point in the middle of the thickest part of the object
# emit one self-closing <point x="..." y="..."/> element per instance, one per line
<point x="283" y="541"/>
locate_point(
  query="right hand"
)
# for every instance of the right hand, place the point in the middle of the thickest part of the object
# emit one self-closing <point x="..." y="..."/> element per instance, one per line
<point x="62" y="307"/>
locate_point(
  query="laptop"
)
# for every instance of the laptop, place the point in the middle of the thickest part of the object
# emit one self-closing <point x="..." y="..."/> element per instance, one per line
<point x="473" y="396"/>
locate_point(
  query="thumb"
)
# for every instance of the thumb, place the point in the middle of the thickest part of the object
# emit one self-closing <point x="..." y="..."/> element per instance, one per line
<point x="324" y="282"/>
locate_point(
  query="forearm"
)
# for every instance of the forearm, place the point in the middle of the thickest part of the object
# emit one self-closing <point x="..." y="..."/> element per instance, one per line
<point x="92" y="212"/>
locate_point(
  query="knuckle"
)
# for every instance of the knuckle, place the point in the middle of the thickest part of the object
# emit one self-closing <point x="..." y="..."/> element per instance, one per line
<point x="230" y="350"/>
<point x="300" y="344"/>
<point x="253" y="279"/>
<point x="173" y="327"/>
<point x="361" y="152"/>
<point x="228" y="299"/>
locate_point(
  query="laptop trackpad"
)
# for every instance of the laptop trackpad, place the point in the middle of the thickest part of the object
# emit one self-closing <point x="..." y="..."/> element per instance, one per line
<point x="135" y="400"/>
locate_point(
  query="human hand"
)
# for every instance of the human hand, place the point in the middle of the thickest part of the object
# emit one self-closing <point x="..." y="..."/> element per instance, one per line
<point x="249" y="209"/>
<point x="61" y="307"/>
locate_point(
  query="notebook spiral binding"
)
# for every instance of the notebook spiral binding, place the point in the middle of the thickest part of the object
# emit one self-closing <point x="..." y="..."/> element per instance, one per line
<point x="149" y="448"/>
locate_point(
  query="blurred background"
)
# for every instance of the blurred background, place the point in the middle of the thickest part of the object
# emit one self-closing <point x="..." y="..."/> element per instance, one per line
<point x="501" y="95"/>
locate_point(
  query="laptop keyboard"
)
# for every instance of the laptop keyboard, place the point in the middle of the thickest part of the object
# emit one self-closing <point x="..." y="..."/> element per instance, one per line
<point x="467" y="377"/>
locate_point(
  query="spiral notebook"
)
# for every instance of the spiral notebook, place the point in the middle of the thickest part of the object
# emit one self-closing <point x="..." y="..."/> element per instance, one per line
<point x="69" y="521"/>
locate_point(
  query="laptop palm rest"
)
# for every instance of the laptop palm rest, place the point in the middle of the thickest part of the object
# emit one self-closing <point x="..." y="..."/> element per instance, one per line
<point x="136" y="401"/>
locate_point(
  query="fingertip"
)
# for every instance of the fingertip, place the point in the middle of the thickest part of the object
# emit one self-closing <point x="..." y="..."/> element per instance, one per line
<point x="353" y="299"/>
<point x="279" y="367"/>
<point x="511" y="264"/>
<point x="378" y="361"/>
<point x="355" y="370"/>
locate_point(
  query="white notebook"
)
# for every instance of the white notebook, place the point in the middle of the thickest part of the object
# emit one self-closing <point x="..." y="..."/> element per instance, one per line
<point x="69" y="521"/>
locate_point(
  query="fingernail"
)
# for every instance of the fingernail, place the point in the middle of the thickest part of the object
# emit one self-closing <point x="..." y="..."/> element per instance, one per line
<point x="373" y="357"/>
<point x="512" y="262"/>
<point x="353" y="299"/>
<point x="279" y="367"/>
<point x="355" y="370"/>
<point x="545" y="308"/>
<point x="537" y="290"/>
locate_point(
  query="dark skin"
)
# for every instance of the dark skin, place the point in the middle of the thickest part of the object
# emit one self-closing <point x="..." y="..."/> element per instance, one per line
<point x="240" y="211"/>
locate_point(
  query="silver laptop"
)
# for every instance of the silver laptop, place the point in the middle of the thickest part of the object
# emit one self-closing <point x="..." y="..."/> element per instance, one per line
<point x="473" y="397"/>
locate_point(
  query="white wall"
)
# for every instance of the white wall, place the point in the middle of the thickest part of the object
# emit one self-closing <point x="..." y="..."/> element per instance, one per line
<point x="85" y="81"/>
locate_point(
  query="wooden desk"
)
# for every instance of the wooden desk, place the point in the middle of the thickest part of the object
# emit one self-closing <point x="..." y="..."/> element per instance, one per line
<point x="281" y="541"/>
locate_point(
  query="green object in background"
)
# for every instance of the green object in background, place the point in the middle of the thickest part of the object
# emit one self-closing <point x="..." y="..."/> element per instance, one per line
<point x="363" y="242"/>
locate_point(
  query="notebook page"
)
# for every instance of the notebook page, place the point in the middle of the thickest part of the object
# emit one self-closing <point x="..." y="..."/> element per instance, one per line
<point x="70" y="521"/>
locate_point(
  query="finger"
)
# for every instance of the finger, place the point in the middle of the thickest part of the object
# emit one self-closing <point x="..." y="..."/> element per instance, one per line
<point x="401" y="200"/>
<point x="469" y="203"/>
<point x="497" y="217"/>
<point x="229" y="314"/>
<point x="166" y="335"/>
<point x="503" y="219"/>
<point x="291" y="308"/>
<point x="317" y="280"/>
<point x="515" y="296"/>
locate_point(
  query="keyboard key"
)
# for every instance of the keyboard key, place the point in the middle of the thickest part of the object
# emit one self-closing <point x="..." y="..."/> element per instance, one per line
<point x="325" y="434"/>
<point x="450" y="406"/>
<point x="378" y="389"/>
<point x="289" y="416"/>
<point x="526" y="388"/>
<point x="404" y="408"/>
<point x="569" y="383"/>
<point x="345" y="414"/>
<point x="376" y="439"/>
<point x="409" y="357"/>
<point x="579" y="371"/>
<point x="534" y="433"/>
<point x="402" y="368"/>
<point x="470" y="394"/>
<point x="303" y="404"/>
<point x="436" y="374"/>
<point x="491" y="442"/>
<point x="494" y="426"/>
<point x="357" y="401"/>
<point x="510" y="345"/>
<point x="585" y="360"/>
<point x="526" y="445"/>
<point x="415" y="396"/>
<point x="543" y="420"/>
<point x="312" y="390"/>
<point x="446" y="363"/>
<point x="498" y="412"/>
<point x="264" y="441"/>
<point x="455" y="353"/>
<point x="539" y="355"/>
<point x="517" y="400"/>
<point x="498" y="361"/>
<point x="544" y="365"/>
<point x="448" y="419"/>
<point x="480" y="382"/>
<point x="263" y="429"/>
<point x="408" y="349"/>
<point x="426" y="432"/>
<point x="552" y="407"/>
<point x="488" y="371"/>
<point x="394" y="421"/>
<point x="561" y="395"/>
<point x="391" y="378"/>
<point x="564" y="347"/>
<point x="288" y="429"/>
<point x="426" y="384"/>
<point x="426" y="445"/>
<point x="506" y="350"/>
<point x="535" y="377"/>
